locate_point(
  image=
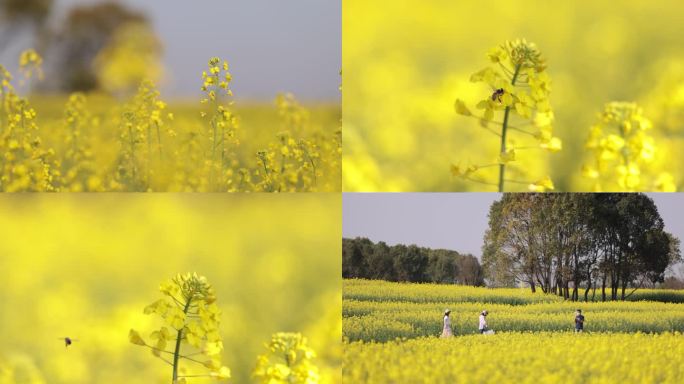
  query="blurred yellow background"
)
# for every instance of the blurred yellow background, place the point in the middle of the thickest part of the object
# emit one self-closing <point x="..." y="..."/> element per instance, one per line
<point x="405" y="64"/>
<point x="85" y="266"/>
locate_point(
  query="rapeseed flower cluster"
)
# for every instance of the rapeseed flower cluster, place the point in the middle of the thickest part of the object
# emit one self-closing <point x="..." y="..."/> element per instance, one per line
<point x="623" y="148"/>
<point x="30" y="64"/>
<point x="288" y="361"/>
<point x="142" y="137"/>
<point x="25" y="164"/>
<point x="78" y="171"/>
<point x="191" y="319"/>
<point x="290" y="163"/>
<point x="222" y="124"/>
<point x="519" y="93"/>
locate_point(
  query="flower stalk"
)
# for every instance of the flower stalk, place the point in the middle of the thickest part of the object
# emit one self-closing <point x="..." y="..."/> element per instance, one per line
<point x="520" y="88"/>
<point x="188" y="308"/>
<point x="504" y="126"/>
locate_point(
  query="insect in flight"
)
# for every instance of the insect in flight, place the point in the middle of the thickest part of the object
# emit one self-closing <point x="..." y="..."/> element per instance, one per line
<point x="67" y="340"/>
<point x="496" y="96"/>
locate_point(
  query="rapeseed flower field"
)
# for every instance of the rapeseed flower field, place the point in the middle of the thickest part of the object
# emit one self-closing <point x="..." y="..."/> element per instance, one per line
<point x="391" y="334"/>
<point x="520" y="357"/>
<point x="142" y="143"/>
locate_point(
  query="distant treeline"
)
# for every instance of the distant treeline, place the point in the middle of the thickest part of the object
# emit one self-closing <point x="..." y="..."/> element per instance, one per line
<point x="362" y="258"/>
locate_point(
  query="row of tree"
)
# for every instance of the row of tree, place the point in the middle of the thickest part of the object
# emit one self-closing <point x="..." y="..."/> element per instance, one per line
<point x="561" y="243"/>
<point x="362" y="258"/>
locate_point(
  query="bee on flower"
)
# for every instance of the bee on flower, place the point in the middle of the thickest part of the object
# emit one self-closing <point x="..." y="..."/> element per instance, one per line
<point x="521" y="88"/>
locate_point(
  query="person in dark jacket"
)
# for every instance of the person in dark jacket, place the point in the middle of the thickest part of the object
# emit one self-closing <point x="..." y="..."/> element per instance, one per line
<point x="579" y="321"/>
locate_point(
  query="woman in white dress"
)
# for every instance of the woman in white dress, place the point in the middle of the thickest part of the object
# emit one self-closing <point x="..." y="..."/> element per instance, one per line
<point x="483" y="321"/>
<point x="446" y="331"/>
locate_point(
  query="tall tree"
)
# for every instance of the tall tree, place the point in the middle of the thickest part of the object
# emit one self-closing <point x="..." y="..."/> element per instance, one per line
<point x="87" y="30"/>
<point x="563" y="241"/>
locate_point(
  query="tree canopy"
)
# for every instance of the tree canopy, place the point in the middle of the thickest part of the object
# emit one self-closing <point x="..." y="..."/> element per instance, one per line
<point x="561" y="242"/>
<point x="362" y="258"/>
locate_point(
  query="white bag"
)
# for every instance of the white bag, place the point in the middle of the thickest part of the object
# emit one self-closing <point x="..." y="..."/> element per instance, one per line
<point x="488" y="332"/>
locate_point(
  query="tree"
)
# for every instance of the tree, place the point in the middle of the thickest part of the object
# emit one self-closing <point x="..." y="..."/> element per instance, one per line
<point x="409" y="263"/>
<point x="361" y="258"/>
<point x="87" y="31"/>
<point x="442" y="266"/>
<point x="353" y="258"/>
<point x="559" y="241"/>
<point x="469" y="271"/>
<point x="497" y="267"/>
<point x="380" y="263"/>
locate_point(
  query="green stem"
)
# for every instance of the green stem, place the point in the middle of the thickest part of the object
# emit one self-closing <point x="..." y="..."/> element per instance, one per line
<point x="290" y="377"/>
<point x="132" y="144"/>
<point x="179" y="338"/>
<point x="624" y="152"/>
<point x="149" y="153"/>
<point x="504" y="126"/>
<point x="159" y="141"/>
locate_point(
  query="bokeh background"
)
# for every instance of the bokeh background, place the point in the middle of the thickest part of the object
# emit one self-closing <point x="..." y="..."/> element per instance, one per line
<point x="105" y="49"/>
<point x="85" y="266"/>
<point x="272" y="46"/>
<point x="405" y="65"/>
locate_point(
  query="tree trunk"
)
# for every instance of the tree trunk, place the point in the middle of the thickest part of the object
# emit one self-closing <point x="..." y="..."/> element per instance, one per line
<point x="586" y="293"/>
<point x="532" y="286"/>
<point x="603" y="289"/>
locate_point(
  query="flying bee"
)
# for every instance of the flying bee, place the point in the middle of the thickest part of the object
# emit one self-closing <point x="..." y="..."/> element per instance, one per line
<point x="496" y="96"/>
<point x="67" y="341"/>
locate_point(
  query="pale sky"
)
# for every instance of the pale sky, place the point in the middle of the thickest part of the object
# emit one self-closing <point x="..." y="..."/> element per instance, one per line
<point x="272" y="45"/>
<point x="454" y="221"/>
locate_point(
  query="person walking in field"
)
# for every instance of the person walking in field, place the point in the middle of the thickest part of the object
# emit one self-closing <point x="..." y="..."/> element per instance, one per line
<point x="483" y="322"/>
<point x="446" y="331"/>
<point x="579" y="321"/>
